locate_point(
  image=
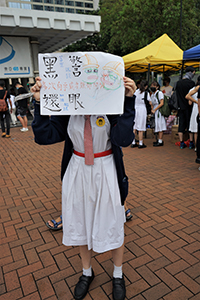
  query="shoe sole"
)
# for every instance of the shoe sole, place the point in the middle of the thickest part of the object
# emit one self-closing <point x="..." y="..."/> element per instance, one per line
<point x="52" y="228"/>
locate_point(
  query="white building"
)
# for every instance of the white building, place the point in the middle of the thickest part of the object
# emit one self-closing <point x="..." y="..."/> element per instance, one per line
<point x="40" y="26"/>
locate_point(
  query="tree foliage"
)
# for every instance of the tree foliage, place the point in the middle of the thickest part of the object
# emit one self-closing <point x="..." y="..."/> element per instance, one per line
<point x="128" y="25"/>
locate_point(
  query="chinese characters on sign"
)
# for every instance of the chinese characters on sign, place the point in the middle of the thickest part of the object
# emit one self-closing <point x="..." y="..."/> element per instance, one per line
<point x="81" y="83"/>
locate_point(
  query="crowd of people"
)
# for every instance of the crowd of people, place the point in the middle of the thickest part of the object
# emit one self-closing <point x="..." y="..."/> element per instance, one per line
<point x="11" y="110"/>
<point x="187" y="96"/>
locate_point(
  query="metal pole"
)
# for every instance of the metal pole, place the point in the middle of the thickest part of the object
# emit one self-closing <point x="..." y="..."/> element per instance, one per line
<point x="181" y="25"/>
<point x="148" y="76"/>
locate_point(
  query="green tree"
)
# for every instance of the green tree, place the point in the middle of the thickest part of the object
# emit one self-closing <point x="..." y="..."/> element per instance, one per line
<point x="128" y="25"/>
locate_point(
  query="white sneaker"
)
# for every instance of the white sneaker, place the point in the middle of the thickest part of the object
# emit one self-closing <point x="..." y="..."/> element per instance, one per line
<point x="23" y="129"/>
<point x="26" y="129"/>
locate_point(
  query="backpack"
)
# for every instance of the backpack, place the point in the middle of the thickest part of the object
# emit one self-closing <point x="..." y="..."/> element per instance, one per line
<point x="148" y="106"/>
<point x="173" y="101"/>
<point x="164" y="110"/>
<point x="3" y="104"/>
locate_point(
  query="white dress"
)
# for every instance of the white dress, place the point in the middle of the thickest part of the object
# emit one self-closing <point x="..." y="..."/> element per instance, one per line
<point x="193" y="119"/>
<point x="91" y="204"/>
<point x="140" y="111"/>
<point x="160" y="123"/>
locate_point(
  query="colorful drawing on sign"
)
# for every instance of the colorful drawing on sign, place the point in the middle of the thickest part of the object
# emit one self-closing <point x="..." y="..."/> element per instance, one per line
<point x="112" y="75"/>
<point x="90" y="69"/>
<point x="81" y="83"/>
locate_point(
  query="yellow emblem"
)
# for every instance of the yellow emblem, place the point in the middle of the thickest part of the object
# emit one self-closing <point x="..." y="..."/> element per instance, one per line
<point x="100" y="121"/>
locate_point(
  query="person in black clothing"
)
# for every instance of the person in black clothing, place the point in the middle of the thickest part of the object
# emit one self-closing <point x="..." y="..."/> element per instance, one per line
<point x="5" y="114"/>
<point x="184" y="112"/>
<point x="198" y="121"/>
<point x="22" y="106"/>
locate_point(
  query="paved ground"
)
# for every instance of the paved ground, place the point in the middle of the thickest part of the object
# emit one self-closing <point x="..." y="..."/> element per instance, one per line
<point x="162" y="241"/>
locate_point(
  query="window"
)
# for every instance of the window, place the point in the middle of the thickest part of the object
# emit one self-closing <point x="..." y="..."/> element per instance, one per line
<point x="89" y="5"/>
<point x="70" y="10"/>
<point x="59" y="2"/>
<point x="49" y="8"/>
<point x="47" y="1"/>
<point x="59" y="9"/>
<point x="38" y="7"/>
<point x="79" y="4"/>
<point x="79" y="11"/>
<point x="70" y="3"/>
<point x="14" y="5"/>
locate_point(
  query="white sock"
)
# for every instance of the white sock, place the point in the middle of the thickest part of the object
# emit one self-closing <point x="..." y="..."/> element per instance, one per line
<point x="159" y="141"/>
<point x="87" y="272"/>
<point x="117" y="273"/>
<point x="141" y="142"/>
<point x="133" y="142"/>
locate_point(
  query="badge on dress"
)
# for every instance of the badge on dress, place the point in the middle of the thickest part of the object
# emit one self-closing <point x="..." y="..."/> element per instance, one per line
<point x="100" y="121"/>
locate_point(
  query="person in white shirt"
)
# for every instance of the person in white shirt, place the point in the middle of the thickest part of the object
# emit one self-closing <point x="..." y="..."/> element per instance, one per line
<point x="13" y="113"/>
<point x="157" y="101"/>
<point x="166" y="89"/>
<point x="140" y="113"/>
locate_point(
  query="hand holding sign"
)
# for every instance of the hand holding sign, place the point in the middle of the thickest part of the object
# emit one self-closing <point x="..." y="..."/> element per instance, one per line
<point x="36" y="88"/>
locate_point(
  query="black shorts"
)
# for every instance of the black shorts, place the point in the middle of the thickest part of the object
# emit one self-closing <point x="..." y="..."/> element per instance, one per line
<point x="21" y="111"/>
<point x="184" y="120"/>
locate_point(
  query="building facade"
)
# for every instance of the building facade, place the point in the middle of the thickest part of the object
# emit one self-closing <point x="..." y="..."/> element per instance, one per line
<point x="25" y="31"/>
<point x="53" y="5"/>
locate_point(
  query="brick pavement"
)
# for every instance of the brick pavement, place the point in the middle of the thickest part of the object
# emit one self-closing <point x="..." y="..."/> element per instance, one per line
<point x="162" y="241"/>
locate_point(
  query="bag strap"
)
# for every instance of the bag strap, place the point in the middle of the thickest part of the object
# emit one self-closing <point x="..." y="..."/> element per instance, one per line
<point x="157" y="97"/>
<point x="145" y="96"/>
<point x="4" y="97"/>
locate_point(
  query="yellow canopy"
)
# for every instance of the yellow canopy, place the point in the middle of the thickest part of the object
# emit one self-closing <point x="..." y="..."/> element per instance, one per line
<point x="161" y="55"/>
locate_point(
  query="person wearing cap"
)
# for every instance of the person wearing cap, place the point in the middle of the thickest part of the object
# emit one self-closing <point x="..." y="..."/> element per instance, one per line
<point x="184" y="109"/>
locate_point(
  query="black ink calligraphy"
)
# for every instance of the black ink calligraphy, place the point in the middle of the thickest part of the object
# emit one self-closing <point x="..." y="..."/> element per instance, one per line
<point x="49" y="62"/>
<point x="76" y="65"/>
<point x="51" y="102"/>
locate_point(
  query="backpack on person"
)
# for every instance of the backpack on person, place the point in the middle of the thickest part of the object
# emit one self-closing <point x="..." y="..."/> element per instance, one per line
<point x="147" y="104"/>
<point x="164" y="110"/>
<point x="173" y="101"/>
<point x="3" y="104"/>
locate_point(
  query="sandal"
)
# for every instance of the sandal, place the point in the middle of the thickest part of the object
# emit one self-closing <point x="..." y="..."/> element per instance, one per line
<point x="128" y="214"/>
<point x="55" y="224"/>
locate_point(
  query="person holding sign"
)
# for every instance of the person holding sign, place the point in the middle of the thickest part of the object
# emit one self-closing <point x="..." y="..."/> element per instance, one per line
<point x="94" y="183"/>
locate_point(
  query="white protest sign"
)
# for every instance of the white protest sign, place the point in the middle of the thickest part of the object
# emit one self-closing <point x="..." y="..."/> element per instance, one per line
<point x="81" y="83"/>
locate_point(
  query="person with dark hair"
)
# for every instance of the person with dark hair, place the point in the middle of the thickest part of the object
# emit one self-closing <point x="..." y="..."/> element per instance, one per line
<point x="138" y="83"/>
<point x="184" y="109"/>
<point x="94" y="187"/>
<point x="193" y="128"/>
<point x="140" y="113"/>
<point x="4" y="114"/>
<point x="166" y="89"/>
<point x="157" y="101"/>
<point x="22" y="106"/>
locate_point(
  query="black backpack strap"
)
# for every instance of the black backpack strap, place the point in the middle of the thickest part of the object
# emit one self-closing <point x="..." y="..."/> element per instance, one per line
<point x="4" y="97"/>
<point x="157" y="97"/>
<point x="145" y="96"/>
